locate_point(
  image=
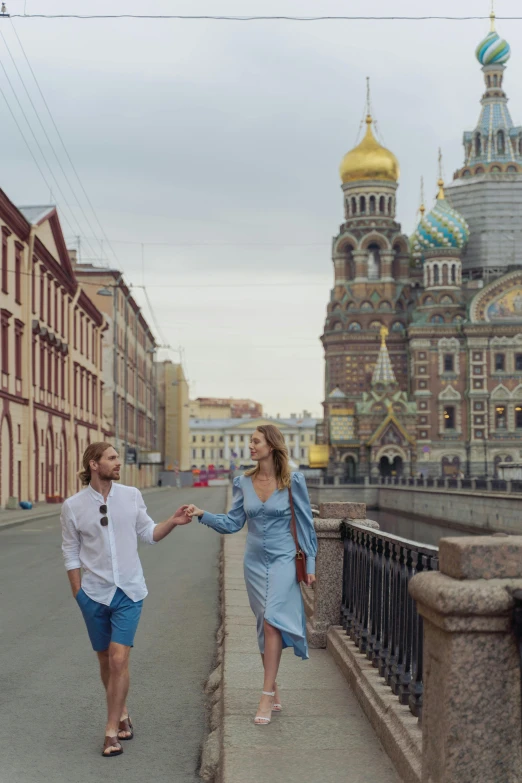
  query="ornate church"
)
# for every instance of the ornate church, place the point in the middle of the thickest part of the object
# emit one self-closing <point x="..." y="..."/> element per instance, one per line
<point x="423" y="335"/>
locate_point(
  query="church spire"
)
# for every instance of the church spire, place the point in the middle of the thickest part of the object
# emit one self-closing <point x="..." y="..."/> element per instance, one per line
<point x="383" y="372"/>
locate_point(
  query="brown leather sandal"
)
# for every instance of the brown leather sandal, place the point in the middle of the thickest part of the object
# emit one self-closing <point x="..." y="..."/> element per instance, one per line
<point x="126" y="725"/>
<point x="111" y="742"/>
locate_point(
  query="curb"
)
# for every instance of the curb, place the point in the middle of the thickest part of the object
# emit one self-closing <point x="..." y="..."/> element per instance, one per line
<point x="212" y="754"/>
<point x="56" y="511"/>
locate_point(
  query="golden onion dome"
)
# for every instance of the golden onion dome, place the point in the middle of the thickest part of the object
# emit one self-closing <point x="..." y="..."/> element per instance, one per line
<point x="369" y="160"/>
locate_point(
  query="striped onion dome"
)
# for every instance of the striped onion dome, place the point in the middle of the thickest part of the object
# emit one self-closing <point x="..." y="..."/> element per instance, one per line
<point x="493" y="50"/>
<point x="443" y="227"/>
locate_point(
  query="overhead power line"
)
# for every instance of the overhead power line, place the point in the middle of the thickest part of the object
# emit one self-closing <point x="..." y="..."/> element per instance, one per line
<point x="215" y="18"/>
<point x="66" y="151"/>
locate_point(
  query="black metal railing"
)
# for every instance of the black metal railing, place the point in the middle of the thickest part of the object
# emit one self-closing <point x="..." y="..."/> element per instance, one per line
<point x="378" y="613"/>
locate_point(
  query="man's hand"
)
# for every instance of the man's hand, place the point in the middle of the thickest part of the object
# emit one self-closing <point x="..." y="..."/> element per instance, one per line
<point x="310" y="579"/>
<point x="194" y="511"/>
<point x="181" y="517"/>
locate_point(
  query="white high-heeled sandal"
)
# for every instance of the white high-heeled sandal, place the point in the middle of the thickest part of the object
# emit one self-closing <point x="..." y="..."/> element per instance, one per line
<point x="277" y="707"/>
<point x="262" y="719"/>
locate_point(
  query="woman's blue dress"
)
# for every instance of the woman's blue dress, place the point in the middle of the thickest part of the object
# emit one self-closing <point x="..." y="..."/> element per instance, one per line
<point x="269" y="562"/>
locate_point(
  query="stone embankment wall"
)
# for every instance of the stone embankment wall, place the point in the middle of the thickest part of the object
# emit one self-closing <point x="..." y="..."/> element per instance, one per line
<point x="459" y="509"/>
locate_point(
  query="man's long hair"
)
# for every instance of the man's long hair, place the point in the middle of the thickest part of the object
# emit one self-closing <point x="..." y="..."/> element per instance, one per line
<point x="93" y="452"/>
<point x="274" y="437"/>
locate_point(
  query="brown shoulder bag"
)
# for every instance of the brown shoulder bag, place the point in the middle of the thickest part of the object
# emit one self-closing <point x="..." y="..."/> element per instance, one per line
<point x="300" y="557"/>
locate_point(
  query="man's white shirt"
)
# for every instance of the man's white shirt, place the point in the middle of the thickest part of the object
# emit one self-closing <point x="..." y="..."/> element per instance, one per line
<point x="108" y="555"/>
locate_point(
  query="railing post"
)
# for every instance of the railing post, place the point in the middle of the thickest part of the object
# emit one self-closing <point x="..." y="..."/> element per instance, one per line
<point x="471" y="717"/>
<point x="328" y="593"/>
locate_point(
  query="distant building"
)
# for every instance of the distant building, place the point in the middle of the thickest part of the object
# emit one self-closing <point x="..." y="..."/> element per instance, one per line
<point x="225" y="442"/>
<point x="223" y="408"/>
<point x="129" y="401"/>
<point x="173" y="417"/>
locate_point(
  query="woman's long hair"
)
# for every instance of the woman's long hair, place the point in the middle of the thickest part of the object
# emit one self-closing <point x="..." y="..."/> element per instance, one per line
<point x="93" y="452"/>
<point x="276" y="441"/>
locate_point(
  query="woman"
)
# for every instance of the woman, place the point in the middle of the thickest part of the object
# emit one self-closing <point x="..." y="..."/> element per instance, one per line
<point x="261" y="496"/>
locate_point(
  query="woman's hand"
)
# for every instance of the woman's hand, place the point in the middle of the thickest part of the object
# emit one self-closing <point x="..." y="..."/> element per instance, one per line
<point x="310" y="579"/>
<point x="194" y="511"/>
<point x="181" y="517"/>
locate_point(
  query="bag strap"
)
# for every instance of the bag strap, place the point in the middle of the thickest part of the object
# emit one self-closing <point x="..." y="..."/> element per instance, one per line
<point x="292" y="521"/>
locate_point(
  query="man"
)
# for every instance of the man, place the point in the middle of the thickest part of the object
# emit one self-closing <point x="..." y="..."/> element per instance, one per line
<point x="100" y="529"/>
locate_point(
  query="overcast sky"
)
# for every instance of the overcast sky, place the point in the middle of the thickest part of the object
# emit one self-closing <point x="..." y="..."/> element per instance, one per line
<point x="223" y="140"/>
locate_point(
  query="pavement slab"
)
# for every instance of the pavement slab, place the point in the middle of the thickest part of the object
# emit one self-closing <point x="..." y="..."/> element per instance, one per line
<point x="322" y="733"/>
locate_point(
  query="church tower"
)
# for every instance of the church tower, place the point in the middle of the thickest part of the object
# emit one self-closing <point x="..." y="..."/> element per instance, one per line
<point x="487" y="190"/>
<point x="372" y="290"/>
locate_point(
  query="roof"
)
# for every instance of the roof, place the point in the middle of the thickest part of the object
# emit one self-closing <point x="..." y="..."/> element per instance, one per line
<point x="35" y="214"/>
<point x="221" y="424"/>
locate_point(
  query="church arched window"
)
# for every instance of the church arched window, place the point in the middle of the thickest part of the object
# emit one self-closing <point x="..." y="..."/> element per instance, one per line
<point x="374" y="262"/>
<point x="501" y="142"/>
<point x="390" y="206"/>
<point x="444" y="274"/>
<point x="354" y="327"/>
<point x="495" y="80"/>
<point x="489" y="81"/>
<point x="478" y="144"/>
<point x="362" y="205"/>
<point x="354" y="205"/>
<point x="453" y="273"/>
<point x="372" y="205"/>
<point x="382" y="205"/>
<point x="436" y="274"/>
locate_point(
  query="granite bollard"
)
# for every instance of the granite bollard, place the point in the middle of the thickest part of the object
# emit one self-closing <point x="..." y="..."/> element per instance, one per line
<point x="471" y="722"/>
<point x="324" y="602"/>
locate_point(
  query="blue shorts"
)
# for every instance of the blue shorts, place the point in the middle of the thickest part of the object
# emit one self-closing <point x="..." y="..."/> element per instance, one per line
<point x="115" y="623"/>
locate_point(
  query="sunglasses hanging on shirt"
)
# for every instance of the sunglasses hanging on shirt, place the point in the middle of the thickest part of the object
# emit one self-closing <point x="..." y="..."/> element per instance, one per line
<point x="104" y="521"/>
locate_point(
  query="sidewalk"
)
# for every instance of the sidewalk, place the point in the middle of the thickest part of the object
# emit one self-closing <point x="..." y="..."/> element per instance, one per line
<point x="321" y="734"/>
<point x="14" y="517"/>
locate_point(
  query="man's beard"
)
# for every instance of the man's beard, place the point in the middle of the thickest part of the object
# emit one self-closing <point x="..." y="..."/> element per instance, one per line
<point x="107" y="475"/>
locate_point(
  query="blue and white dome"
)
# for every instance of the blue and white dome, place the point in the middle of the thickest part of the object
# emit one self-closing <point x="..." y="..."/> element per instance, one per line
<point x="443" y="227"/>
<point x="493" y="50"/>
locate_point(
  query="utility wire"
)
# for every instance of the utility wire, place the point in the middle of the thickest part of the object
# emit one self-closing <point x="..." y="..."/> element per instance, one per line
<point x="47" y="136"/>
<point x="73" y="167"/>
<point x="43" y="156"/>
<point x="209" y="17"/>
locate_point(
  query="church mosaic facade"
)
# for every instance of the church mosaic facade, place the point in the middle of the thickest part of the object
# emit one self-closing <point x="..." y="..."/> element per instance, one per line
<point x="423" y="335"/>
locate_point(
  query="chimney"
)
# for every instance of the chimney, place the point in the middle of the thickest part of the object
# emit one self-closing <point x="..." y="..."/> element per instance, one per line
<point x="73" y="255"/>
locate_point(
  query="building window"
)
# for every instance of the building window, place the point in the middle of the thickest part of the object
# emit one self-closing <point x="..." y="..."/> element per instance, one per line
<point x="211" y="439"/>
<point x="518" y="417"/>
<point x="18" y="276"/>
<point x="203" y="454"/>
<point x="500" y="362"/>
<point x="500" y="417"/>
<point x="449" y="362"/>
<point x="5" y="344"/>
<point x="4" y="264"/>
<point x="194" y="439"/>
<point x="449" y="417"/>
<point x="518" y="362"/>
<point x="18" y="352"/>
<point x="203" y="439"/>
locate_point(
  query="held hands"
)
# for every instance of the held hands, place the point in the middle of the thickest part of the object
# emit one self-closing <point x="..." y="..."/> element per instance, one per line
<point x="194" y="511"/>
<point x="181" y="517"/>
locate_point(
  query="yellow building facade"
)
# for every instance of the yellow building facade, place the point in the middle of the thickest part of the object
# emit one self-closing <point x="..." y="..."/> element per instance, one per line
<point x="51" y="382"/>
<point x="173" y="417"/>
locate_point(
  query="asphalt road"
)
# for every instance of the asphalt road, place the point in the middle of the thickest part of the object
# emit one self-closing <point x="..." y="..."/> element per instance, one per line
<point x="52" y="708"/>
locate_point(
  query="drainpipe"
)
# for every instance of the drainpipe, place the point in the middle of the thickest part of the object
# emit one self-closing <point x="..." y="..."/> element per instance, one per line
<point x="71" y="475"/>
<point x="28" y="320"/>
